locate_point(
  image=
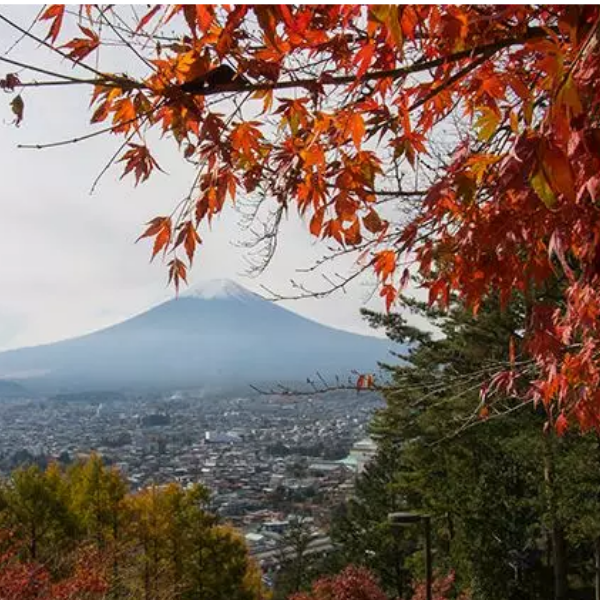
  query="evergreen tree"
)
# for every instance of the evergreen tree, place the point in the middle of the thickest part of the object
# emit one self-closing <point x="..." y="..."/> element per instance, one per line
<point x="476" y="467"/>
<point x="97" y="494"/>
<point x="361" y="529"/>
<point x="157" y="544"/>
<point x="35" y="506"/>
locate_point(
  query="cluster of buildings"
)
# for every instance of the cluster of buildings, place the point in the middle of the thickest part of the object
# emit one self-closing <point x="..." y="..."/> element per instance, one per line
<point x="265" y="459"/>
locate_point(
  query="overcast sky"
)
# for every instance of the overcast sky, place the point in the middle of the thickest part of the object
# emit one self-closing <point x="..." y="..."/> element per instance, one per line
<point x="69" y="262"/>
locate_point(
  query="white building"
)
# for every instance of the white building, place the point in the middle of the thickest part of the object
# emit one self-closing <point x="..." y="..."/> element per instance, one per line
<point x="362" y="452"/>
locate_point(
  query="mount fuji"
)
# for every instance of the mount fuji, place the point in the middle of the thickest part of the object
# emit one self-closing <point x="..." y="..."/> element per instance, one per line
<point x="217" y="335"/>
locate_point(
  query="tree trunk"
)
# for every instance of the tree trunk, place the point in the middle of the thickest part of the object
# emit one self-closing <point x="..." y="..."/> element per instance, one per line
<point x="559" y="559"/>
<point x="597" y="567"/>
<point x="147" y="582"/>
<point x="398" y="564"/>
<point x="33" y="544"/>
<point x="115" y="546"/>
<point x="560" y="562"/>
<point x="146" y="574"/>
<point x="597" y="540"/>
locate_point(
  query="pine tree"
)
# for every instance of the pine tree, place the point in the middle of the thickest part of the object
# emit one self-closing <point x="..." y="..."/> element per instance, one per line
<point x="93" y="539"/>
<point x="516" y="510"/>
<point x="361" y="529"/>
<point x="35" y="506"/>
<point x="479" y="478"/>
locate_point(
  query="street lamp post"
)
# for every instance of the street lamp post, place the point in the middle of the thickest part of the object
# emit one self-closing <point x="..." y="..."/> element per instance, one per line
<point x="402" y="519"/>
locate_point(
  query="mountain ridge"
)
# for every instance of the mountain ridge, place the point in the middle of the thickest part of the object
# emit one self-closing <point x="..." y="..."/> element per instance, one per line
<point x="215" y="333"/>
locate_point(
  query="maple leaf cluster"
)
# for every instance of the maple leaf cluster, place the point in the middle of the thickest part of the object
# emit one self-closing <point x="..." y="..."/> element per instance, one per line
<point x="32" y="581"/>
<point x="442" y="588"/>
<point x="353" y="583"/>
<point x="490" y="112"/>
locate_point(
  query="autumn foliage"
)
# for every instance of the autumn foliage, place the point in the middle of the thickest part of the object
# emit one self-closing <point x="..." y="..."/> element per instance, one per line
<point x="442" y="588"/>
<point x="353" y="583"/>
<point x="80" y="534"/>
<point x="358" y="583"/>
<point x="479" y="123"/>
<point x="30" y="580"/>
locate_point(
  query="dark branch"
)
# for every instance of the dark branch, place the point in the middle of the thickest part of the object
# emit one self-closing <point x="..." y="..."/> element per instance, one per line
<point x="64" y="78"/>
<point x="236" y="87"/>
<point x="417" y="67"/>
<point x="451" y="81"/>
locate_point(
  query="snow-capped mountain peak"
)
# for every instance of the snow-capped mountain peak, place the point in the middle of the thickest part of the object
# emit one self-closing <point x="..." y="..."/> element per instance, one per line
<point x="221" y="289"/>
<point x="223" y="336"/>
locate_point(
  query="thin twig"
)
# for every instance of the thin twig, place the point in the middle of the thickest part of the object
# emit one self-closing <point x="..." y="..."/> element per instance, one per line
<point x="61" y="76"/>
<point x="118" y="34"/>
<point x="23" y="35"/>
<point x="25" y="84"/>
<point x="39" y="40"/>
<point x="116" y="154"/>
<point x="451" y="81"/>
<point x="87" y="136"/>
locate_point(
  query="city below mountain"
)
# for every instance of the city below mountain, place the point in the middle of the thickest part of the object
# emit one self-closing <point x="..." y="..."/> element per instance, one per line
<point x="219" y="335"/>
